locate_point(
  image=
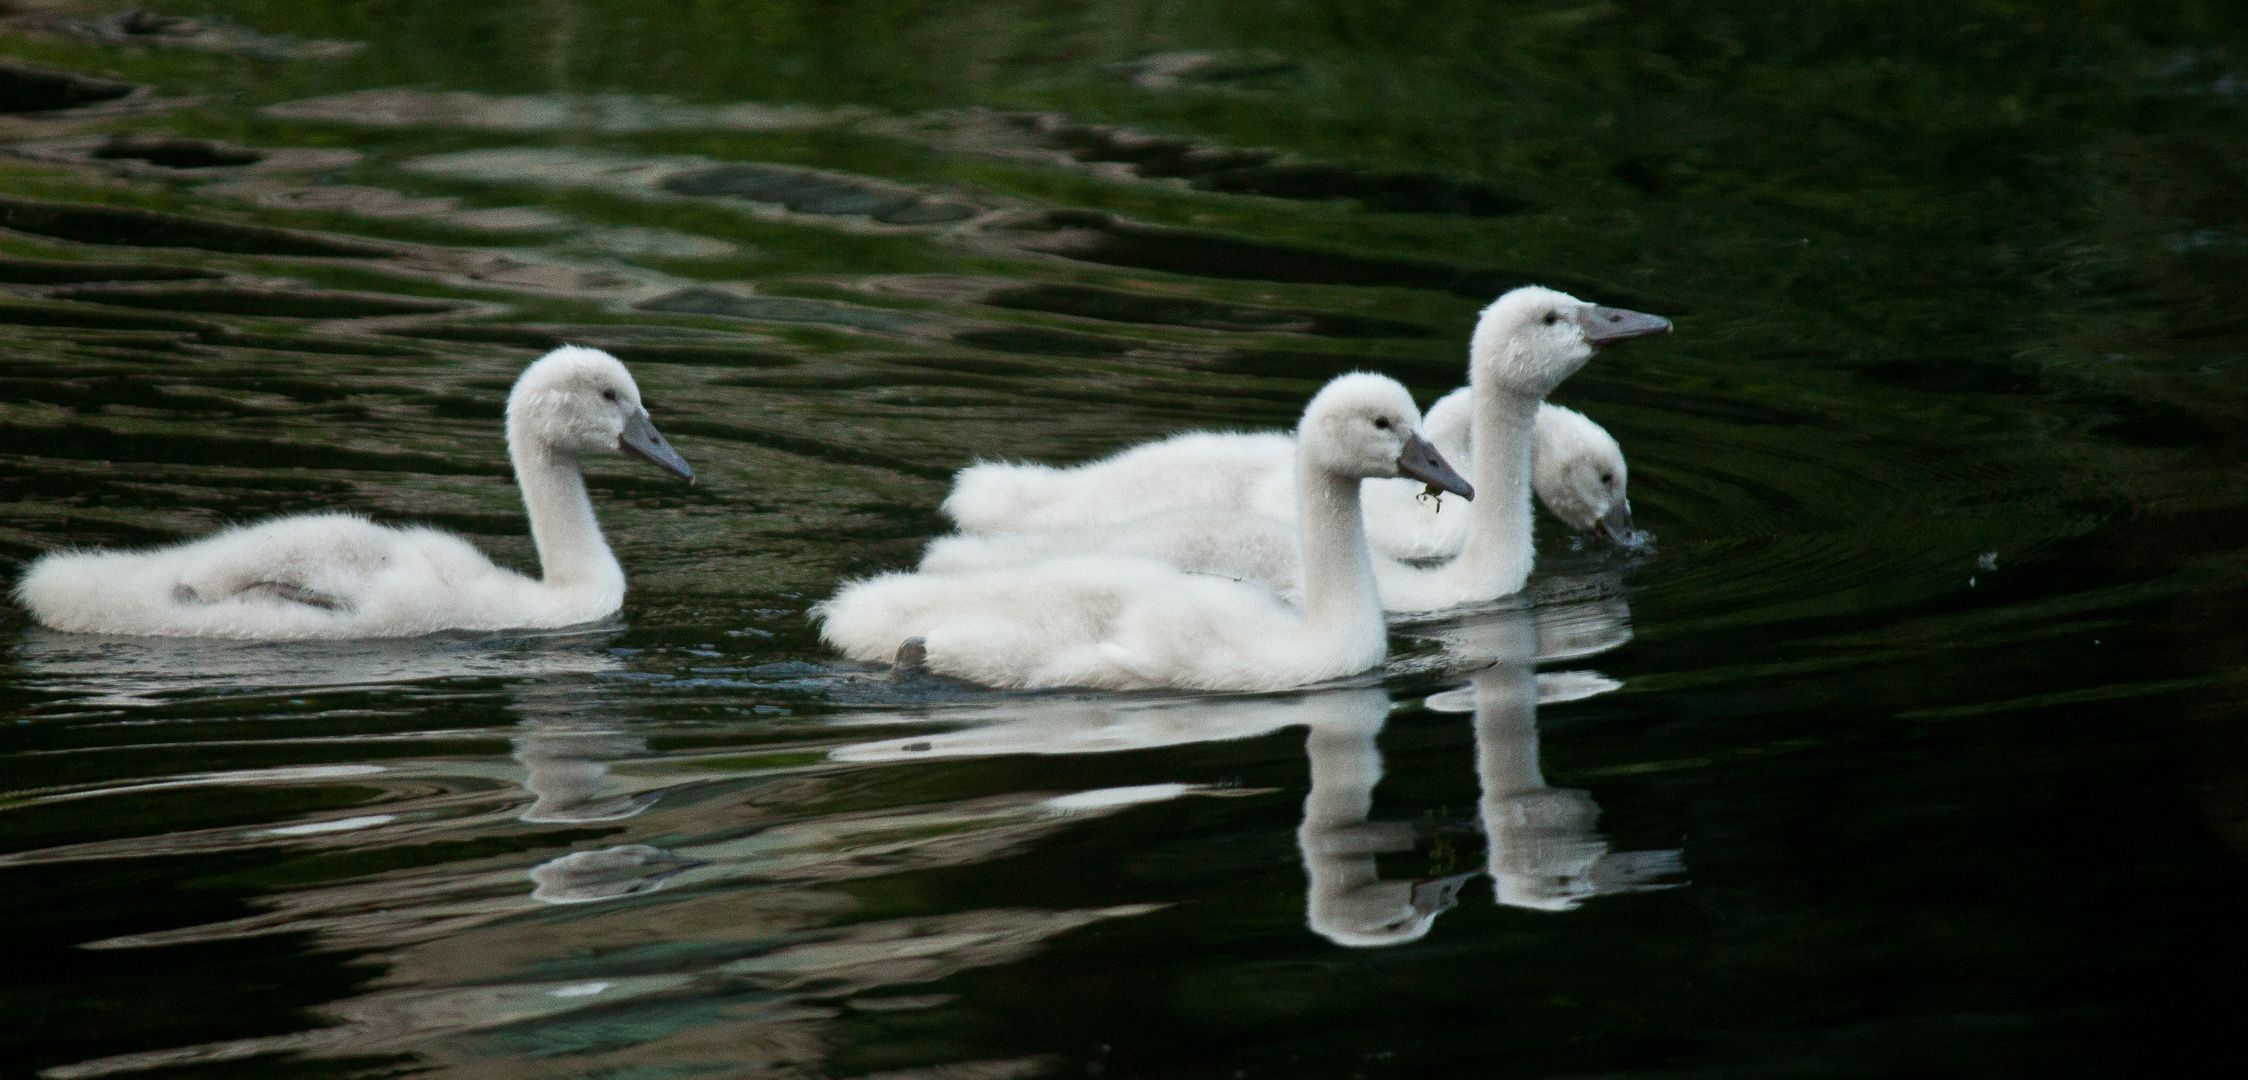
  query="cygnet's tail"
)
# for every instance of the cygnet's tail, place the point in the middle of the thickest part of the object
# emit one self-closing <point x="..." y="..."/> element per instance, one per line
<point x="93" y="592"/>
<point x="867" y="620"/>
<point x="210" y="588"/>
<point x="998" y="496"/>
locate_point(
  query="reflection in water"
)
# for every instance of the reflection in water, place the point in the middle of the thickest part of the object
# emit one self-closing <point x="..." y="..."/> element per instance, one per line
<point x="585" y="876"/>
<point x="564" y="752"/>
<point x="565" y="772"/>
<point x="1347" y="902"/>
<point x="731" y="947"/>
<point x="1544" y="852"/>
<point x="1097" y="725"/>
<point x="110" y="671"/>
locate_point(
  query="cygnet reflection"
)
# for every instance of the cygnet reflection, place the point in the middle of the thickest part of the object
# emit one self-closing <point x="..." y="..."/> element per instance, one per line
<point x="1586" y="628"/>
<point x="564" y="757"/>
<point x="1544" y="851"/>
<point x="1092" y="725"/>
<point x="1544" y="848"/>
<point x="113" y="670"/>
<point x="1542" y="635"/>
<point x="1348" y="903"/>
<point x="582" y="877"/>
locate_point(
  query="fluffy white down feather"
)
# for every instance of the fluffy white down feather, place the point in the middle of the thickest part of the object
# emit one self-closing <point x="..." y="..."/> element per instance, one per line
<point x="338" y="575"/>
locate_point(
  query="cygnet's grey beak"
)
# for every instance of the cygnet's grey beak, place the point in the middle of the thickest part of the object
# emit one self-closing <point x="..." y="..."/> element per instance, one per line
<point x="1605" y="325"/>
<point x="643" y="441"/>
<point x="1421" y="462"/>
<point x="1615" y="525"/>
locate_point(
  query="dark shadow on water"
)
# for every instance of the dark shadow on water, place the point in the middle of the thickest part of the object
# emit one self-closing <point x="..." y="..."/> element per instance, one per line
<point x="1115" y="305"/>
<point x="1257" y="172"/>
<point x="14" y="271"/>
<point x="27" y="89"/>
<point x="267" y="303"/>
<point x="128" y="226"/>
<point x="808" y="192"/>
<point x="1044" y="342"/>
<point x="1102" y="238"/>
<point x="177" y="153"/>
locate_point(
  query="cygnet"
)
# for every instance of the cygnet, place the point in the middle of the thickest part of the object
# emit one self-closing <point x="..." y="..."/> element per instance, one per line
<point x="1128" y="623"/>
<point x="336" y="575"/>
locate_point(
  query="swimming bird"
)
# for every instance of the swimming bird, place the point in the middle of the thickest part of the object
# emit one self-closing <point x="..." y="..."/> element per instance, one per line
<point x="337" y="575"/>
<point x="1577" y="471"/>
<point x="1118" y="622"/>
<point x="1525" y="344"/>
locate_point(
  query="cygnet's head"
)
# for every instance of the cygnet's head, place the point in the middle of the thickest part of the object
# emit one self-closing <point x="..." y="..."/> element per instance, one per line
<point x="1543" y="848"/>
<point x="1381" y="913"/>
<point x="1579" y="472"/>
<point x="1530" y="339"/>
<point x="1369" y="916"/>
<point x="1363" y="426"/>
<point x="578" y="401"/>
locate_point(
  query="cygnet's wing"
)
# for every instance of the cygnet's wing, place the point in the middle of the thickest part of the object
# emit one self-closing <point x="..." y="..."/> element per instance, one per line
<point x="294" y="593"/>
<point x="314" y="560"/>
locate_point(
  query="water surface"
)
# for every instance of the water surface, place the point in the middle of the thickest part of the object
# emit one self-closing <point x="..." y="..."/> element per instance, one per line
<point x="1911" y="749"/>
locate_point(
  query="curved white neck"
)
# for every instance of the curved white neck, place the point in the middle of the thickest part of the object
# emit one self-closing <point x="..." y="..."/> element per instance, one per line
<point x="1345" y="766"/>
<point x="1496" y="559"/>
<point x="1339" y="591"/>
<point x="1506" y="733"/>
<point x="572" y="553"/>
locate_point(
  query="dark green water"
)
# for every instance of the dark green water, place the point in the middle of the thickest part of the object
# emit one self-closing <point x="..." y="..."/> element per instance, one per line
<point x="1932" y="694"/>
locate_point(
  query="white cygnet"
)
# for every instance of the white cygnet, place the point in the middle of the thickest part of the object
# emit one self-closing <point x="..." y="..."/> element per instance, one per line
<point x="337" y="575"/>
<point x="1127" y="623"/>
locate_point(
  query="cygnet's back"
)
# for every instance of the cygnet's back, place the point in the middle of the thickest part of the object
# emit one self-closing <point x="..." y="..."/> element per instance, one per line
<point x="1220" y="543"/>
<point x="1195" y="469"/>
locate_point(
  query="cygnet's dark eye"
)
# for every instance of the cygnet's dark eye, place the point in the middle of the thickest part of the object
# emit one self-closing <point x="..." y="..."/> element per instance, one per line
<point x="1382" y="422"/>
<point x="1607" y="478"/>
<point x="609" y="394"/>
<point x="1552" y="317"/>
